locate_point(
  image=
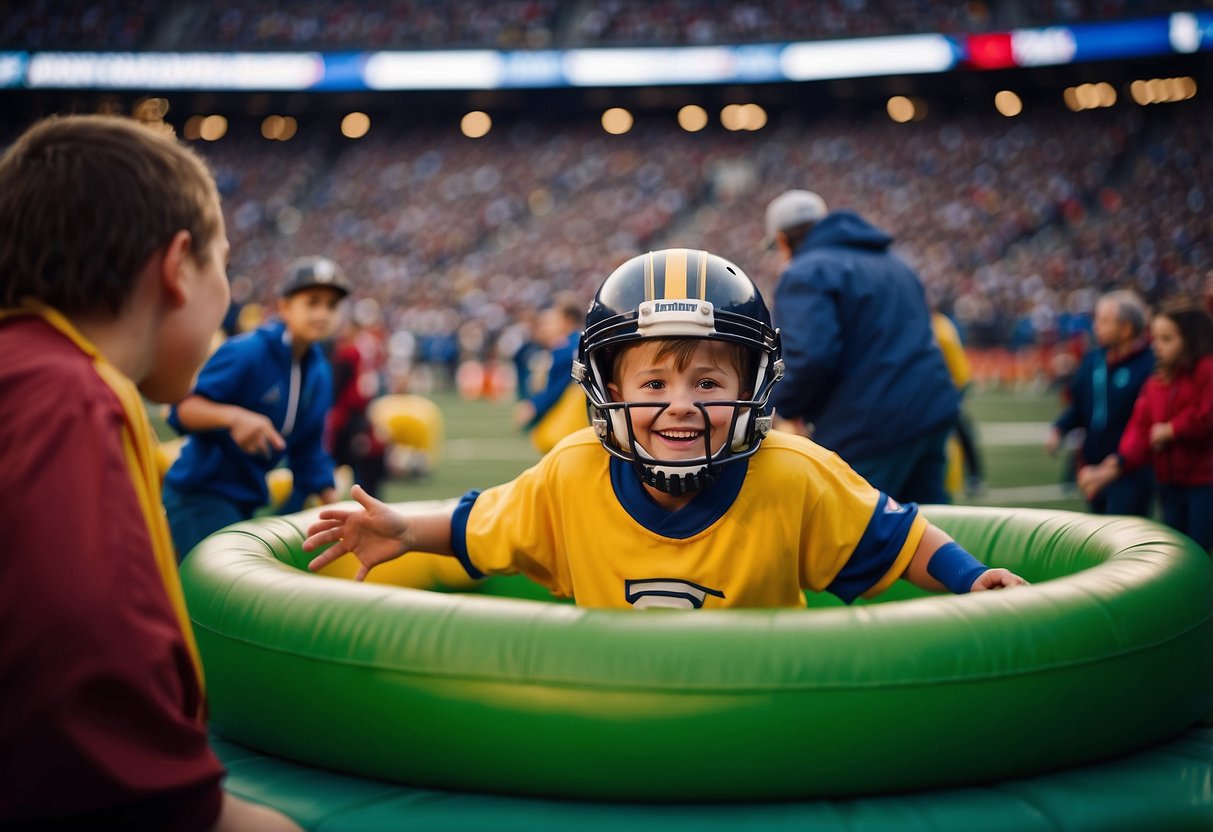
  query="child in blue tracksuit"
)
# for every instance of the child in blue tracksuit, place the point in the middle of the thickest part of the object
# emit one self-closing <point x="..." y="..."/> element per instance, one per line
<point x="263" y="396"/>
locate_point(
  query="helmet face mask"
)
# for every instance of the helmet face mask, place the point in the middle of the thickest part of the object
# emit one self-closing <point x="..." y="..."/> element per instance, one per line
<point x="678" y="294"/>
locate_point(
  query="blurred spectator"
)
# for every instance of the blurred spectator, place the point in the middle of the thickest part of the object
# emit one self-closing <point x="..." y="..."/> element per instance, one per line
<point x="358" y="360"/>
<point x="864" y="376"/>
<point x="556" y="406"/>
<point x="517" y="24"/>
<point x="987" y="212"/>
<point x="1172" y="425"/>
<point x="971" y="469"/>
<point x="1101" y="396"/>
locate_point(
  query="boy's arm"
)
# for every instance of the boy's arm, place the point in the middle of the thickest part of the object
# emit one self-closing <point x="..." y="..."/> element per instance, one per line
<point x="253" y="432"/>
<point x="939" y="564"/>
<point x="376" y="533"/>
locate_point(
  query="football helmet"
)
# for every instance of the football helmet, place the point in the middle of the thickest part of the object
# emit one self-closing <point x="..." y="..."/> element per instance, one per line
<point x="678" y="293"/>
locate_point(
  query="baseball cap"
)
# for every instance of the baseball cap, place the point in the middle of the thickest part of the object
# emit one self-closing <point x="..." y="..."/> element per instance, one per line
<point x="307" y="272"/>
<point x="793" y="208"/>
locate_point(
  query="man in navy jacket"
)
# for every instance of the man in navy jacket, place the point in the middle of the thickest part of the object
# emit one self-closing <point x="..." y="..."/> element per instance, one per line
<point x="1102" y="394"/>
<point x="864" y="376"/>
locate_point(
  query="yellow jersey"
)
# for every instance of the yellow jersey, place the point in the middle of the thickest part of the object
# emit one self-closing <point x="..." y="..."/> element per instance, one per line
<point x="794" y="516"/>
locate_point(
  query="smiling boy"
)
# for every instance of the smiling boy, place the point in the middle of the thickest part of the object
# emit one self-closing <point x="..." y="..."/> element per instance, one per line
<point x="683" y="510"/>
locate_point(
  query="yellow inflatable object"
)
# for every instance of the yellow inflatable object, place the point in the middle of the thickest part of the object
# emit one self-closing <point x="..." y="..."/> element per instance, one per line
<point x="419" y="570"/>
<point x="410" y="421"/>
<point x="281" y="482"/>
<point x="167" y="453"/>
<point x="566" y="416"/>
<point x="250" y="317"/>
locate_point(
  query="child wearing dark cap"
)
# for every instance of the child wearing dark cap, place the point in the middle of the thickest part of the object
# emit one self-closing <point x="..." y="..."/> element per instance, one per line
<point x="262" y="397"/>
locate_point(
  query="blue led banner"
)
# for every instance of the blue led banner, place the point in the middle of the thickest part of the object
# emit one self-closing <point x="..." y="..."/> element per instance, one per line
<point x="486" y="69"/>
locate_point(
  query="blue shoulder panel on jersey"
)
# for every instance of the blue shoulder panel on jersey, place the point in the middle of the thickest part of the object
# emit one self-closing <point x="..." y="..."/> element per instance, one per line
<point x="708" y="506"/>
<point x="877" y="550"/>
<point x="459" y="532"/>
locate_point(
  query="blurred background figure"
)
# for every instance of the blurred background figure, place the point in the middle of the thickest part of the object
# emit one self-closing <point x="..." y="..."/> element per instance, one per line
<point x="1101" y="397"/>
<point x="1172" y="424"/>
<point x="358" y="359"/>
<point x="243" y="313"/>
<point x="965" y="468"/>
<point x="262" y="399"/>
<point x="862" y="364"/>
<point x="556" y="406"/>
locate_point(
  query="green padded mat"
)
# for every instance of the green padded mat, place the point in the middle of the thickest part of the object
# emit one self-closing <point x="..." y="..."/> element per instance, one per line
<point x="1167" y="787"/>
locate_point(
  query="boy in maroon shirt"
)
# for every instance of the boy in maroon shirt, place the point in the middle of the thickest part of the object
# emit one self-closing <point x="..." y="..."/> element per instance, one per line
<point x="112" y="281"/>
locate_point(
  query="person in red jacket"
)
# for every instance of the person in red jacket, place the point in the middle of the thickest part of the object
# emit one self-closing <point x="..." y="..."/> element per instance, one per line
<point x="358" y="358"/>
<point x="1172" y="424"/>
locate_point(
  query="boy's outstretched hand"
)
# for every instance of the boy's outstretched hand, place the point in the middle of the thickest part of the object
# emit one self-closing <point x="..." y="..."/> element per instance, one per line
<point x="375" y="534"/>
<point x="996" y="579"/>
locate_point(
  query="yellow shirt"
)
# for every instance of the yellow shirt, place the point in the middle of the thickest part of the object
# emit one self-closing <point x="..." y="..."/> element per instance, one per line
<point x="953" y="350"/>
<point x="792" y="517"/>
<point x="566" y="416"/>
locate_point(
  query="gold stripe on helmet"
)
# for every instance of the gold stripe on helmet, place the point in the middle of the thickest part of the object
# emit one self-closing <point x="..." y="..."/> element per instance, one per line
<point x="676" y="274"/>
<point x="703" y="275"/>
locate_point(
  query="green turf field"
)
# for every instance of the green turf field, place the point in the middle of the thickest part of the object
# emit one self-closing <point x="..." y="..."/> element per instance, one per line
<point x="482" y="449"/>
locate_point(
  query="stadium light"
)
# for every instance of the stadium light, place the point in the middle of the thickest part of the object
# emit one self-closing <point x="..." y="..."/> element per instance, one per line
<point x="692" y="118"/>
<point x="900" y="109"/>
<point x="743" y="117"/>
<point x="617" y="121"/>
<point x="476" y="124"/>
<point x="279" y="128"/>
<point x="355" y="125"/>
<point x="212" y="128"/>
<point x="1008" y="103"/>
<point x="1089" y="96"/>
<point x="1162" y="90"/>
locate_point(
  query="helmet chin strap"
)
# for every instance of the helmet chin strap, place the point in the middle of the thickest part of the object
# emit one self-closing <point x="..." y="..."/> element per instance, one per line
<point x="671" y="479"/>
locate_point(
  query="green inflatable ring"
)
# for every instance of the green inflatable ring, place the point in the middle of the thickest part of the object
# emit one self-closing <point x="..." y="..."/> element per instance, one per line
<point x="1110" y="651"/>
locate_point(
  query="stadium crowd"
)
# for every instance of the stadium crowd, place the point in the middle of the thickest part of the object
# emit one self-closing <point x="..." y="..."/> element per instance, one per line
<point x="1016" y="226"/>
<point x="516" y="24"/>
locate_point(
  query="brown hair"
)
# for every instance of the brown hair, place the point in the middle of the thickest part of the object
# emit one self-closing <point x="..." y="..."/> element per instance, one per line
<point x="797" y="233"/>
<point x="744" y="361"/>
<point x="86" y="200"/>
<point x="1195" y="329"/>
<point x="570" y="308"/>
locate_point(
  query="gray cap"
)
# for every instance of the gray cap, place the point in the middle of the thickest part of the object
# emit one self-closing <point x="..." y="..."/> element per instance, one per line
<point x="791" y="209"/>
<point x="307" y="272"/>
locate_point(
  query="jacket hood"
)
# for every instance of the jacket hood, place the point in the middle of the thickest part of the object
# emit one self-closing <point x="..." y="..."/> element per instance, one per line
<point x="847" y="228"/>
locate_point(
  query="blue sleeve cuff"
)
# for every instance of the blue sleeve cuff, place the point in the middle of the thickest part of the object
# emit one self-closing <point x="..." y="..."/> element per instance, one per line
<point x="955" y="568"/>
<point x="459" y="533"/>
<point x="877" y="550"/>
